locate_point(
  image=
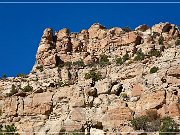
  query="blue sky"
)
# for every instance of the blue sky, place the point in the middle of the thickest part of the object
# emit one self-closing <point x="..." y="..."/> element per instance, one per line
<point x="22" y="25"/>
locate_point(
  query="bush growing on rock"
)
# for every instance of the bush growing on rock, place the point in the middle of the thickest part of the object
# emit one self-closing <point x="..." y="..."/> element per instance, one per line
<point x="27" y="88"/>
<point x="125" y="57"/>
<point x="168" y="126"/>
<point x="22" y="75"/>
<point x="8" y="130"/>
<point x="79" y="63"/>
<point x="13" y="90"/>
<point x="161" y="40"/>
<point x="155" y="53"/>
<point x="104" y="60"/>
<point x="154" y="70"/>
<point x="139" y="123"/>
<point x="127" y="29"/>
<point x="95" y="76"/>
<point x="4" y="76"/>
<point x="40" y="68"/>
<point x="139" y="55"/>
<point x="119" y="61"/>
<point x="177" y="42"/>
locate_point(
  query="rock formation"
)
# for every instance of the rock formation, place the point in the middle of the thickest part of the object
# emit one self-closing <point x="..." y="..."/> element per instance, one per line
<point x="96" y="81"/>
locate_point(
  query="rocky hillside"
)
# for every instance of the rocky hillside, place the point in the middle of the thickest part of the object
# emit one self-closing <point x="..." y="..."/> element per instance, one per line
<point x="98" y="81"/>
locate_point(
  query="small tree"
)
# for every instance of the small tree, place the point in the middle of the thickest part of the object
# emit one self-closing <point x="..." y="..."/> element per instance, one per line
<point x="21" y="75"/>
<point x="177" y="42"/>
<point x="155" y="53"/>
<point x="79" y="63"/>
<point x="8" y="130"/>
<point x="127" y="29"/>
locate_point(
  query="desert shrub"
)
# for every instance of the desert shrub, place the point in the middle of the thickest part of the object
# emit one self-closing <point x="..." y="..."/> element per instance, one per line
<point x="161" y="40"/>
<point x="139" y="123"/>
<point x="125" y="57"/>
<point x="127" y="29"/>
<point x="139" y="55"/>
<point x="22" y="75"/>
<point x="95" y="76"/>
<point x="79" y="63"/>
<point x="8" y="130"/>
<point x="119" y="61"/>
<point x="177" y="42"/>
<point x="40" y="68"/>
<point x="27" y="88"/>
<point x="104" y="60"/>
<point x="4" y="76"/>
<point x="67" y="63"/>
<point x="123" y="95"/>
<point x="13" y="90"/>
<point x="155" y="53"/>
<point x="168" y="126"/>
<point x="154" y="70"/>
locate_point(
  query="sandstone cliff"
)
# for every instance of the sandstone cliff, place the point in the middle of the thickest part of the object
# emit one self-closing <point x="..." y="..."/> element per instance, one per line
<point x="96" y="81"/>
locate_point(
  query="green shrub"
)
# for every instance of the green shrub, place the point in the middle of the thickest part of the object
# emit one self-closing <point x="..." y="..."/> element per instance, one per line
<point x="22" y="75"/>
<point x="27" y="88"/>
<point x="154" y="70"/>
<point x="123" y="95"/>
<point x="67" y="63"/>
<point x="95" y="76"/>
<point x="79" y="63"/>
<point x="119" y="61"/>
<point x="8" y="130"/>
<point x="4" y="76"/>
<point x="139" y="55"/>
<point x="104" y="60"/>
<point x="155" y="53"/>
<point x="168" y="126"/>
<point x="177" y="42"/>
<point x="125" y="57"/>
<point x="127" y="29"/>
<point x="13" y="90"/>
<point x="40" y="68"/>
<point x="161" y="40"/>
<point x="139" y="123"/>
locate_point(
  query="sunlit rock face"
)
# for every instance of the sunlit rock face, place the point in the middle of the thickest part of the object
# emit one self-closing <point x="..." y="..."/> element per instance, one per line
<point x="95" y="81"/>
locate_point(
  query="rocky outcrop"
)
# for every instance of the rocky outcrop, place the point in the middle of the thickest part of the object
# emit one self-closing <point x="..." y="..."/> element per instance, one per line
<point x="95" y="81"/>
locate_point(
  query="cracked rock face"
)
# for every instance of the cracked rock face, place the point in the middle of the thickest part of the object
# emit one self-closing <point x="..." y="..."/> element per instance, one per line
<point x="60" y="95"/>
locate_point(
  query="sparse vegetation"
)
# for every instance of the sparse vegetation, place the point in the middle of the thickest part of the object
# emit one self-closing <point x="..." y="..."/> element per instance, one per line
<point x="8" y="130"/>
<point x="125" y="57"/>
<point x="154" y="52"/>
<point x="168" y="127"/>
<point x="27" y="88"/>
<point x="40" y="68"/>
<point x="119" y="61"/>
<point x="79" y="63"/>
<point x="154" y="70"/>
<point x="22" y="75"/>
<point x="161" y="40"/>
<point x="177" y="42"/>
<point x="13" y="91"/>
<point x="139" y="55"/>
<point x="4" y="76"/>
<point x="104" y="60"/>
<point x="95" y="76"/>
<point x="127" y="29"/>
<point x="139" y="123"/>
<point x="123" y="95"/>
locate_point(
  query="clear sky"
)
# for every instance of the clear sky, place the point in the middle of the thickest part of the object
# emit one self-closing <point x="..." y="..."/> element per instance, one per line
<point x="22" y="25"/>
